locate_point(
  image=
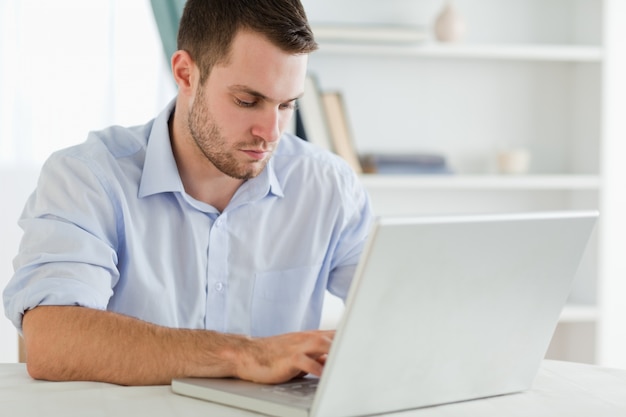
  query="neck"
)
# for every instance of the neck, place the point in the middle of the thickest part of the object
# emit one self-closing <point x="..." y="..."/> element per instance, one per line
<point x="200" y="178"/>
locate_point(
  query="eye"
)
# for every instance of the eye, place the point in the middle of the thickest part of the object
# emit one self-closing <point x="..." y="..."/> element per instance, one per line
<point x="245" y="104"/>
<point x="292" y="105"/>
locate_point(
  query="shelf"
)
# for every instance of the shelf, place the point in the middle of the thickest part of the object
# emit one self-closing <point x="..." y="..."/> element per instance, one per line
<point x="483" y="182"/>
<point x="579" y="314"/>
<point x="529" y="52"/>
<point x="571" y="314"/>
<point x="553" y="88"/>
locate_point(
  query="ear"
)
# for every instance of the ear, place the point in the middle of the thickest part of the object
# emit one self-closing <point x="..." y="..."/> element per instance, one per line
<point x="185" y="72"/>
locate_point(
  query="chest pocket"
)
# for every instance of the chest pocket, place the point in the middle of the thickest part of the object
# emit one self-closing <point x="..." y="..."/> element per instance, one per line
<point x="283" y="299"/>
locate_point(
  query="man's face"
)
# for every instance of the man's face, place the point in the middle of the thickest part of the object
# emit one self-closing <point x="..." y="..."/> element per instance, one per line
<point x="238" y="115"/>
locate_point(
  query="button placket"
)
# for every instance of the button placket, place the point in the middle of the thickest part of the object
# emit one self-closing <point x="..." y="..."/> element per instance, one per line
<point x="217" y="273"/>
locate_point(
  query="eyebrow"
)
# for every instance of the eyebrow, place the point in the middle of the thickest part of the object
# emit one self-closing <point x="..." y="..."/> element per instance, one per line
<point x="247" y="90"/>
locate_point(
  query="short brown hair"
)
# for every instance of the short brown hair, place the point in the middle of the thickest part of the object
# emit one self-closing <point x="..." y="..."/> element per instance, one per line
<point x="207" y="28"/>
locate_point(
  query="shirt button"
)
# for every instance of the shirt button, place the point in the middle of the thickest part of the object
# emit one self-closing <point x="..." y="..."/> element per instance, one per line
<point x="219" y="287"/>
<point x="219" y="222"/>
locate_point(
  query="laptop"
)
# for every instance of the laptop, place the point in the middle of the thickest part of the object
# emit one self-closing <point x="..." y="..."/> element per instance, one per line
<point x="442" y="309"/>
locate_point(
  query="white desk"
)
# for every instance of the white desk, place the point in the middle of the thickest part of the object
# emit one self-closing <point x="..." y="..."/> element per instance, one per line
<point x="560" y="389"/>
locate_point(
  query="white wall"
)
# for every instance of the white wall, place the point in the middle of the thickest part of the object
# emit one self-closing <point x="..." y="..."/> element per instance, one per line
<point x="16" y="184"/>
<point x="114" y="72"/>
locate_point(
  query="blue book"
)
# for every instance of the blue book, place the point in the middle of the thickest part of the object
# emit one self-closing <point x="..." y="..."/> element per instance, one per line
<point x="421" y="163"/>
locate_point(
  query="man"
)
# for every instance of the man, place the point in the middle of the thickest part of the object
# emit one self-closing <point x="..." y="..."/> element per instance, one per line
<point x="202" y="243"/>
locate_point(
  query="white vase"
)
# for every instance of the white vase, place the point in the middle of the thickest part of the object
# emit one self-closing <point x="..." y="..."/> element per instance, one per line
<point x="449" y="25"/>
<point x="513" y="161"/>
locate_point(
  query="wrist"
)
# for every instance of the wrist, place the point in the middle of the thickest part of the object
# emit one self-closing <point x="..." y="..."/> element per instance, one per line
<point x="240" y="355"/>
<point x="217" y="355"/>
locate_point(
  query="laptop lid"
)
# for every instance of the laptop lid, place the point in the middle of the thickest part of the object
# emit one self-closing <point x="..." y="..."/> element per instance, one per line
<point x="441" y="309"/>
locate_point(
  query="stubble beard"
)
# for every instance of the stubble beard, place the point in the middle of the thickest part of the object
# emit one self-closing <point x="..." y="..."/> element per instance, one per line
<point x="210" y="141"/>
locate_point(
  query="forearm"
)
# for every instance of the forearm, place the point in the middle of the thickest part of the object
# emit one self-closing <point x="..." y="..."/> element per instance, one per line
<point x="75" y="343"/>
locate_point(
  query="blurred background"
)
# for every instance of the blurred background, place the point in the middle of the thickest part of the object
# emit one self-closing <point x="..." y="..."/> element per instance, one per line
<point x="520" y="100"/>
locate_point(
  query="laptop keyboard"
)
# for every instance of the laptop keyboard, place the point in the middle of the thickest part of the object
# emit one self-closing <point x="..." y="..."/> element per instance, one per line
<point x="300" y="389"/>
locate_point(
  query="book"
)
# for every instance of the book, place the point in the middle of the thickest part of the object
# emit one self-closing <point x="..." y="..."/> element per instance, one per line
<point x="411" y="163"/>
<point x="311" y="123"/>
<point x="340" y="131"/>
<point x="369" y="33"/>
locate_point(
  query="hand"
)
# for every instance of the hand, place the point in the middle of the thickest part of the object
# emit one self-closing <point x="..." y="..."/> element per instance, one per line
<point x="276" y="359"/>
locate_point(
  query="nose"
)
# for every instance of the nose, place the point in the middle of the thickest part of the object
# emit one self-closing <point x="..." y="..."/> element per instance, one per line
<point x="268" y="124"/>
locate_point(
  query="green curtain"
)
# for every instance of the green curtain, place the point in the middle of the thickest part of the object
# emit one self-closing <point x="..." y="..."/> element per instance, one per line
<point x="167" y="14"/>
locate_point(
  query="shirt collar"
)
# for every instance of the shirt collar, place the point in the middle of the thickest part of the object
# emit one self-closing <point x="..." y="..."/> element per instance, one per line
<point x="160" y="172"/>
<point x="264" y="184"/>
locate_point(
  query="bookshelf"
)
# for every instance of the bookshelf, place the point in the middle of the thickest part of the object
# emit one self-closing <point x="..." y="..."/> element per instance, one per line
<point x="548" y="53"/>
<point x="483" y="182"/>
<point x="545" y="76"/>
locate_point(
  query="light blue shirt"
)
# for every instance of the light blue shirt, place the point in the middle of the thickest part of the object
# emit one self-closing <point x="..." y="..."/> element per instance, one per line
<point x="111" y="227"/>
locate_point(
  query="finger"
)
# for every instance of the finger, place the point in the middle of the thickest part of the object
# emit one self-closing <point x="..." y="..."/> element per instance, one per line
<point x="317" y="346"/>
<point x="328" y="333"/>
<point x="310" y="366"/>
<point x="322" y="359"/>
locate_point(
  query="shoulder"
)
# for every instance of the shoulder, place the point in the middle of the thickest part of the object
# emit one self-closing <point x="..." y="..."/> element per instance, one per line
<point x="295" y="155"/>
<point x="106" y="166"/>
<point x="113" y="142"/>
<point x="328" y="180"/>
<point x="104" y="150"/>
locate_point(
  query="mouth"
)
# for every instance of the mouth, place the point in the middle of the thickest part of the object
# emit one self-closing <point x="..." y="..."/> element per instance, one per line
<point x="256" y="154"/>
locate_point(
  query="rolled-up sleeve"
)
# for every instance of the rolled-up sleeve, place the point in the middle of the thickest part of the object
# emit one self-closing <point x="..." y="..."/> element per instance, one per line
<point x="67" y="254"/>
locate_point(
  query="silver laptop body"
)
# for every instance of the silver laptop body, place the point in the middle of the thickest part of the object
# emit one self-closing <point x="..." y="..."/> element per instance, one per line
<point x="441" y="309"/>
